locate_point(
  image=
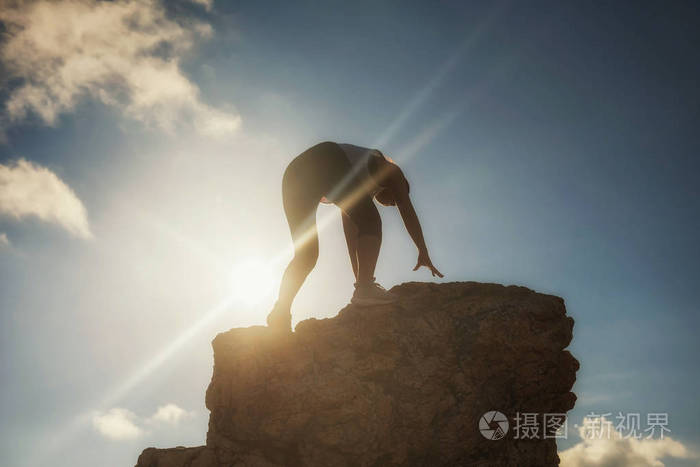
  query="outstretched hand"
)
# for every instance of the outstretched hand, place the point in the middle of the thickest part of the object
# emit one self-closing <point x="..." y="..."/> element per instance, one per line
<point x="424" y="260"/>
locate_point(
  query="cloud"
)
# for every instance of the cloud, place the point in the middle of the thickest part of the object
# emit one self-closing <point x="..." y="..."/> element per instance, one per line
<point x="117" y="424"/>
<point x="169" y="413"/>
<point x="124" y="53"/>
<point x="4" y="241"/>
<point x="207" y="4"/>
<point x="122" y="424"/>
<point x="615" y="450"/>
<point x="27" y="189"/>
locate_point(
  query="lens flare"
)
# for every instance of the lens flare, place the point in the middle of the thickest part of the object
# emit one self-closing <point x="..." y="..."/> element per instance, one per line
<point x="251" y="281"/>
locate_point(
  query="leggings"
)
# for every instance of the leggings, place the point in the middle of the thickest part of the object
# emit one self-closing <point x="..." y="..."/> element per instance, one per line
<point x="315" y="173"/>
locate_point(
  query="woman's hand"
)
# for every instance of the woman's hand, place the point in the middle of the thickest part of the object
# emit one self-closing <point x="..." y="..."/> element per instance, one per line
<point x="424" y="260"/>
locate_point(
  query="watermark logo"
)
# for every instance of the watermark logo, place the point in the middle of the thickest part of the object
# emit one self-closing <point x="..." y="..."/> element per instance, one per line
<point x="493" y="425"/>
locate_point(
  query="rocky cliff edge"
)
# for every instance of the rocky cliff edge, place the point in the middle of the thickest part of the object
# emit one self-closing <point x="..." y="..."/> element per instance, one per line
<point x="406" y="384"/>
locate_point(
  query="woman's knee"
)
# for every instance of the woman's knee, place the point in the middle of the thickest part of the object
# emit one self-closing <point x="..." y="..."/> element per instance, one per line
<point x="306" y="257"/>
<point x="373" y="229"/>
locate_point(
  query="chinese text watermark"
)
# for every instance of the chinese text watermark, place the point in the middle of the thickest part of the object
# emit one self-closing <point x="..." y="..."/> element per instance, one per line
<point x="495" y="425"/>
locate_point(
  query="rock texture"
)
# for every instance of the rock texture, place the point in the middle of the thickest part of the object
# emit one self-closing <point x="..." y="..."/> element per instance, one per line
<point x="393" y="385"/>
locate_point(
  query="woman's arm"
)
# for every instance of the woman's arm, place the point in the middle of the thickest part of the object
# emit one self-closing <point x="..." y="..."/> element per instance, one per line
<point x="350" y="230"/>
<point x="399" y="187"/>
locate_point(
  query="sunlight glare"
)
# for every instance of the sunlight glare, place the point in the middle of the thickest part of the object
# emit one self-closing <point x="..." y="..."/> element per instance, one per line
<point x="252" y="281"/>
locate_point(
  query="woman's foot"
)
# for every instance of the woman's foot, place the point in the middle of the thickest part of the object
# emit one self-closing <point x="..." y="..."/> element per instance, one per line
<point x="280" y="319"/>
<point x="371" y="293"/>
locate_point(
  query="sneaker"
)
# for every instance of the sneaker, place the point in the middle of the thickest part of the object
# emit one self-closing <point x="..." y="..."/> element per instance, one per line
<point x="370" y="294"/>
<point x="280" y="320"/>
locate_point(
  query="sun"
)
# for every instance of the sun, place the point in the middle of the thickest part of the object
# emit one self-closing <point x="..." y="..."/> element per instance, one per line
<point x="252" y="281"/>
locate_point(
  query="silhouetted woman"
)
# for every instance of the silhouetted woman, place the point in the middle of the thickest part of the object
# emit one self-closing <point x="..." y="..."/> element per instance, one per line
<point x="350" y="177"/>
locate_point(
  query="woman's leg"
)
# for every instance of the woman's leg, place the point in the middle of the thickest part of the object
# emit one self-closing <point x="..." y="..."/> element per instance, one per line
<point x="369" y="225"/>
<point x="367" y="254"/>
<point x="300" y="201"/>
<point x="305" y="256"/>
<point x="365" y="216"/>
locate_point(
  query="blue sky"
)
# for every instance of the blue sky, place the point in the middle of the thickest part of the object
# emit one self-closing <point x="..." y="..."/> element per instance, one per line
<point x="547" y="144"/>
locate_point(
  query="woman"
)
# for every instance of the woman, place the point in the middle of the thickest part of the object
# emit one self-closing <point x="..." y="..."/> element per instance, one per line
<point x="350" y="177"/>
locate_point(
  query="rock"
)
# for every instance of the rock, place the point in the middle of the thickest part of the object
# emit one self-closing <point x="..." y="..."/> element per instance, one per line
<point x="403" y="384"/>
<point x="177" y="457"/>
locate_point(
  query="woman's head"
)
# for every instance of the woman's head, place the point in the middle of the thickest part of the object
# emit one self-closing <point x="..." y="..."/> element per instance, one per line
<point x="391" y="179"/>
<point x="386" y="195"/>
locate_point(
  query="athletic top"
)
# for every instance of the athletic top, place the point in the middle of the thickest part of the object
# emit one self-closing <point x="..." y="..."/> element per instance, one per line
<point x="362" y="163"/>
<point x="359" y="158"/>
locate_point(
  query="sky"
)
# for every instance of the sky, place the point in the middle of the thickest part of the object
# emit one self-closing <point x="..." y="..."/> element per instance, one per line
<point x="142" y="144"/>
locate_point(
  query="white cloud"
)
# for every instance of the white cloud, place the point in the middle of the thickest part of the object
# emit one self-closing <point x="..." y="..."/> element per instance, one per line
<point x="169" y="413"/>
<point x="116" y="424"/>
<point x="124" y="53"/>
<point x="4" y="241"/>
<point x="27" y="189"/>
<point x="122" y="424"/>
<point x="612" y="449"/>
